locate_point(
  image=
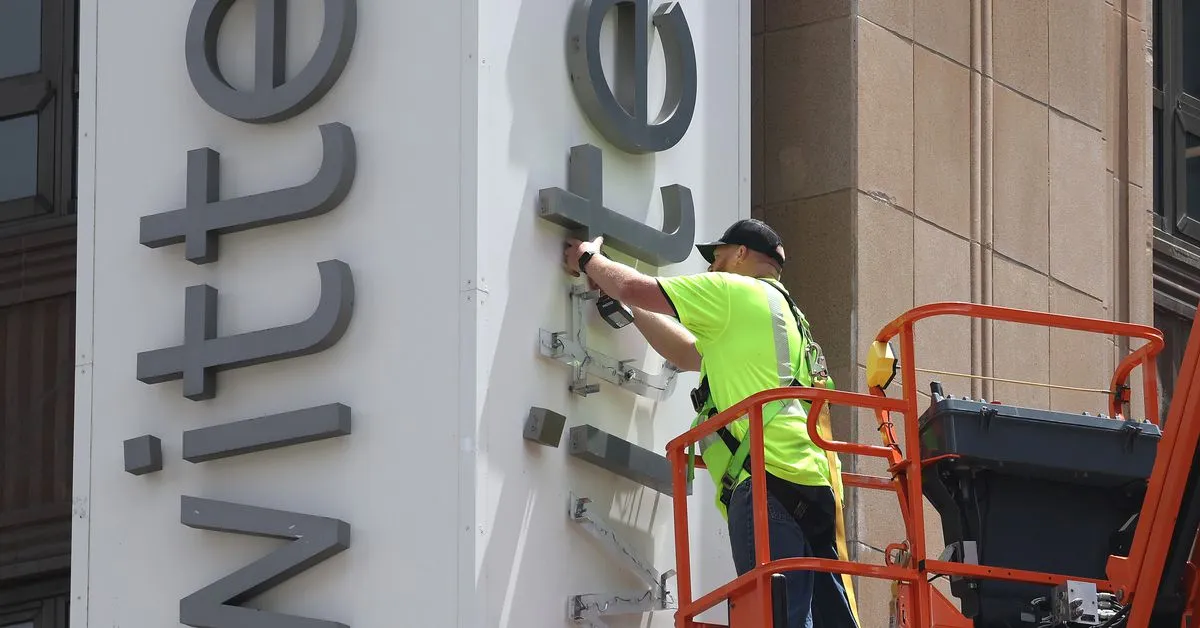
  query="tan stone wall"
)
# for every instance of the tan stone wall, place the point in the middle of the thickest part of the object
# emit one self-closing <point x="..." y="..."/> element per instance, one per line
<point x="993" y="151"/>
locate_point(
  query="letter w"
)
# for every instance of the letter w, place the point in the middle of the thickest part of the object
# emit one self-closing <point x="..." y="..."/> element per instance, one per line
<point x="313" y="540"/>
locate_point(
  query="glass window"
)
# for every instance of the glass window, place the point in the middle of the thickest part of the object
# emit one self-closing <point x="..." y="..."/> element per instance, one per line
<point x="20" y="37"/>
<point x="1158" y="171"/>
<point x="1191" y="48"/>
<point x="1192" y="167"/>
<point x="18" y="157"/>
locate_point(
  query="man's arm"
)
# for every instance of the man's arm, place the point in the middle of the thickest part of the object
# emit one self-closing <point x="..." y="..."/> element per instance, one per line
<point x="617" y="280"/>
<point x="670" y="339"/>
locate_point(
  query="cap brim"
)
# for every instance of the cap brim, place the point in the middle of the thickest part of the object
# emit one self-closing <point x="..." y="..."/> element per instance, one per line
<point x="708" y="249"/>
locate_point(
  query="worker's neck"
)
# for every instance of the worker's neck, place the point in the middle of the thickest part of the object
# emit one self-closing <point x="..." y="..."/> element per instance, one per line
<point x="763" y="272"/>
<point x="758" y="274"/>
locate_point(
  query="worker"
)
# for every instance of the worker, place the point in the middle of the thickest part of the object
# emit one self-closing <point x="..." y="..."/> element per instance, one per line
<point x="737" y="325"/>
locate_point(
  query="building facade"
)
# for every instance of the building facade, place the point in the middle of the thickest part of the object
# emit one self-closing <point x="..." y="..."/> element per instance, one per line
<point x="1024" y="153"/>
<point x="993" y="151"/>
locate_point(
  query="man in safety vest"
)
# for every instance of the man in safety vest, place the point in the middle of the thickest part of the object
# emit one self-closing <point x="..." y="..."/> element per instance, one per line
<point x="738" y="327"/>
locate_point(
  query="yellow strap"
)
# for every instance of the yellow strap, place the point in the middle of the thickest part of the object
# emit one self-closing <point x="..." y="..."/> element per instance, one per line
<point x="827" y="432"/>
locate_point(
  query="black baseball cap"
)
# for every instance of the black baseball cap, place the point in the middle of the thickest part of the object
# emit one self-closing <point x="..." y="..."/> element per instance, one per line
<point x="751" y="233"/>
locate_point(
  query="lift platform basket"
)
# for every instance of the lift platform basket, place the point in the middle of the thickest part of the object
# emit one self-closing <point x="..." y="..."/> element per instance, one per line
<point x="1023" y="488"/>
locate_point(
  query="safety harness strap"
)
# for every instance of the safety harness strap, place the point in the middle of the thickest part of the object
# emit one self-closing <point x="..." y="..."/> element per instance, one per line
<point x="787" y="368"/>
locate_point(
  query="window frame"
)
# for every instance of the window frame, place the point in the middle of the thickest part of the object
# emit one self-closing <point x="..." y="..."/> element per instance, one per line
<point x="52" y="94"/>
<point x="1176" y="255"/>
<point x="1176" y="294"/>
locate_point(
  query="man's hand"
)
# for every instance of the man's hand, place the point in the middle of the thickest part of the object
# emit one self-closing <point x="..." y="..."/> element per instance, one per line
<point x="574" y="249"/>
<point x="613" y="278"/>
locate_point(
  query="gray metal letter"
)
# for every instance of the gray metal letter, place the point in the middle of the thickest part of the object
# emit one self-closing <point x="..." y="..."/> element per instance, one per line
<point x="544" y="426"/>
<point x="621" y="457"/>
<point x="581" y="208"/>
<point x="143" y="455"/>
<point x="203" y="353"/>
<point x="266" y="432"/>
<point x="205" y="216"/>
<point x="625" y="123"/>
<point x="314" y="539"/>
<point x="274" y="98"/>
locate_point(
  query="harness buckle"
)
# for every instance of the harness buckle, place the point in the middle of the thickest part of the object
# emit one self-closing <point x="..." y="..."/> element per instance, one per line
<point x="727" y="485"/>
<point x="699" y="395"/>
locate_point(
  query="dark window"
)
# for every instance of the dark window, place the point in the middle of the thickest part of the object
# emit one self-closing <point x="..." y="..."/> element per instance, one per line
<point x="38" y="113"/>
<point x="1176" y="146"/>
<point x="39" y="604"/>
<point x="18" y="157"/>
<point x="20" y="37"/>
<point x="1174" y="311"/>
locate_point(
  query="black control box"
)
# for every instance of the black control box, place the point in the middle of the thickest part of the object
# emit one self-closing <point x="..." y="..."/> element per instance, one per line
<point x="1032" y="489"/>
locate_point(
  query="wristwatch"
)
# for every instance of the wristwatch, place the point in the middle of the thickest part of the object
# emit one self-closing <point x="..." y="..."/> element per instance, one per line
<point x="583" y="260"/>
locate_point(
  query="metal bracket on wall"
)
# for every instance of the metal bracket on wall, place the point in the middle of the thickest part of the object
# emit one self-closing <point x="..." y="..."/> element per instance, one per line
<point x="588" y="609"/>
<point x="570" y="348"/>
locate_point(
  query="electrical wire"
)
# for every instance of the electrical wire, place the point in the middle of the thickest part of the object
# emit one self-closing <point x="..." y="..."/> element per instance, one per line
<point x="1118" y="618"/>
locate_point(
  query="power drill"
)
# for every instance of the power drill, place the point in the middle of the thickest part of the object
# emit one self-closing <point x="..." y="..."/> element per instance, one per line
<point x="615" y="313"/>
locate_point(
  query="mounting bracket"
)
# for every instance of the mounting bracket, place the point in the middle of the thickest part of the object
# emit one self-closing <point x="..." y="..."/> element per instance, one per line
<point x="589" y="608"/>
<point x="570" y="348"/>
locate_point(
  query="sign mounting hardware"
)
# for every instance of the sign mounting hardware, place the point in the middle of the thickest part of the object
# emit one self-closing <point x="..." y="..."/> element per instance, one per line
<point x="570" y="347"/>
<point x="589" y="608"/>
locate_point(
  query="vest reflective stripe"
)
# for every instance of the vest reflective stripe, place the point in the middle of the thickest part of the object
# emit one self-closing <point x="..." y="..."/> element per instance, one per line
<point x="727" y="466"/>
<point x="783" y="362"/>
<point x="783" y="351"/>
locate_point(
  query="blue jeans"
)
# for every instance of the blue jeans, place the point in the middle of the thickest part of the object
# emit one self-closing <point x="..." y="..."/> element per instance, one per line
<point x="814" y="599"/>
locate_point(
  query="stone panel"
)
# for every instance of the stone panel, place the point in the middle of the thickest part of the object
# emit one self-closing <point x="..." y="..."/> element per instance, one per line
<point x="1077" y="59"/>
<point x="885" y="267"/>
<point x="944" y="26"/>
<point x="1080" y="208"/>
<point x="885" y="115"/>
<point x="942" y="130"/>
<point x="808" y="111"/>
<point x="894" y="15"/>
<point x="1021" y="44"/>
<point x="942" y="264"/>
<point x="783" y="14"/>
<point x="1078" y="359"/>
<point x="1021" y="184"/>
<point x="1020" y="352"/>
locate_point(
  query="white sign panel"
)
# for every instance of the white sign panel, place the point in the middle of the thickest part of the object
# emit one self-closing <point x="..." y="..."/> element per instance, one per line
<point x="324" y="330"/>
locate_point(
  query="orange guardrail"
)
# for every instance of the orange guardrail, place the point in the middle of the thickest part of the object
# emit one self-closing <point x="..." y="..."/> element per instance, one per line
<point x="923" y="609"/>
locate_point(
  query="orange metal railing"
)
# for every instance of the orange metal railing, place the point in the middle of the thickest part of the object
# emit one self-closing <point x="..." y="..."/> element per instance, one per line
<point x="922" y="608"/>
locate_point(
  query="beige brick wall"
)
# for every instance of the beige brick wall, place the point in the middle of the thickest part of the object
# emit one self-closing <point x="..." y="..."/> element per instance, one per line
<point x="993" y="151"/>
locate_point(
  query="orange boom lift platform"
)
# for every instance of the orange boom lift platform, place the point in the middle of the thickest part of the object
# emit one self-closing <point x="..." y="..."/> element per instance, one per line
<point x="1049" y="518"/>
